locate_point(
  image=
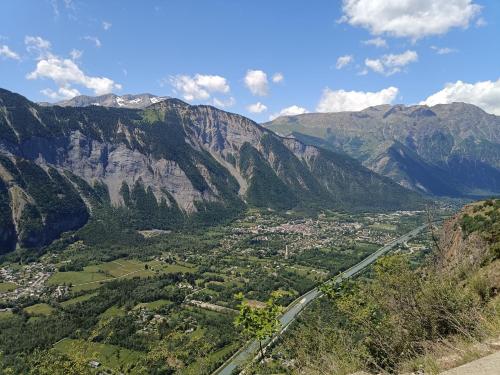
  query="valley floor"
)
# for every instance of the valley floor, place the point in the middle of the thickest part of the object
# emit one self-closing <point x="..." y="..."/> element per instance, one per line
<point x="180" y="287"/>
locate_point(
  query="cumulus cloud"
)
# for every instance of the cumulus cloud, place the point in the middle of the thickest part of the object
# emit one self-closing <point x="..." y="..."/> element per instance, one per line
<point x="37" y="45"/>
<point x="341" y="100"/>
<point x="414" y="19"/>
<point x="278" y="77"/>
<point x="257" y="108"/>
<point x="198" y="87"/>
<point x="377" y="42"/>
<point x="224" y="103"/>
<point x="61" y="94"/>
<point x="392" y="63"/>
<point x="94" y="40"/>
<point x="256" y="82"/>
<point x="106" y="25"/>
<point x="7" y="53"/>
<point x="484" y="94"/>
<point x="343" y="61"/>
<point x="443" y="50"/>
<point x="289" y="111"/>
<point x="65" y="72"/>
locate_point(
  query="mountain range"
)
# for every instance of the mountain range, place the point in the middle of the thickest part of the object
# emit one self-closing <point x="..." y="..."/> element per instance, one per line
<point x="444" y="150"/>
<point x="139" y="101"/>
<point x="158" y="166"/>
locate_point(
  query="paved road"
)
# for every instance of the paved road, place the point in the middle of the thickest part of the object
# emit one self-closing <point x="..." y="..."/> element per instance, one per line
<point x="292" y="312"/>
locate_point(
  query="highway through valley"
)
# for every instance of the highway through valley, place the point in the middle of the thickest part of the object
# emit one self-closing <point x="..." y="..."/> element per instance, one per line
<point x="251" y="348"/>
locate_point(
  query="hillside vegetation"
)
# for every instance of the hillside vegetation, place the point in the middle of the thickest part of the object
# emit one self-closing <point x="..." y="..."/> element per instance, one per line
<point x="444" y="150"/>
<point x="404" y="318"/>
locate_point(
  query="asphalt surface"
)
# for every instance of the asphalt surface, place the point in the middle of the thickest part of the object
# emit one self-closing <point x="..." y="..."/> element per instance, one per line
<point x="251" y="348"/>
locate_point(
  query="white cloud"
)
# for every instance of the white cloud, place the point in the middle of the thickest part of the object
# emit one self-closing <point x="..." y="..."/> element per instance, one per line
<point x="198" y="87"/>
<point x="390" y="64"/>
<point x="65" y="72"/>
<point x="94" y="40"/>
<point x="484" y="94"/>
<point x="38" y="45"/>
<point x="289" y="111"/>
<point x="61" y="94"/>
<point x="75" y="54"/>
<point x="341" y="100"/>
<point x="374" y="64"/>
<point x="443" y="50"/>
<point x="343" y="61"/>
<point x="7" y="53"/>
<point x="257" y="108"/>
<point x="278" y="77"/>
<point x="224" y="103"/>
<point x="377" y="42"/>
<point x="256" y="81"/>
<point x="410" y="18"/>
<point x="481" y="22"/>
<point x="68" y="5"/>
<point x="106" y="25"/>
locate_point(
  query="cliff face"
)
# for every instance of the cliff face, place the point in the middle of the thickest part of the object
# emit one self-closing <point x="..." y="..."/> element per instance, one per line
<point x="168" y="159"/>
<point x="458" y="248"/>
<point x="471" y="238"/>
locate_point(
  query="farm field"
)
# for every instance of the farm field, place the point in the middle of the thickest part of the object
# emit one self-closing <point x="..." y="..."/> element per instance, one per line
<point x="110" y="356"/>
<point x="93" y="276"/>
<point x="40" y="309"/>
<point x="7" y="286"/>
<point x="178" y="294"/>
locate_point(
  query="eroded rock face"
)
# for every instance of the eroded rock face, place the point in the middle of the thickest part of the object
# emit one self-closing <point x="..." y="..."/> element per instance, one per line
<point x="114" y="164"/>
<point x="169" y="154"/>
<point x="458" y="249"/>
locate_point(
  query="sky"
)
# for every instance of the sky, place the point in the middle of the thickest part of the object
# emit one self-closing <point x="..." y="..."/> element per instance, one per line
<point x="259" y="58"/>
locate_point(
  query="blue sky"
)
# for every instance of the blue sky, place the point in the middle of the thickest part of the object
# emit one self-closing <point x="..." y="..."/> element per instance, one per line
<point x="330" y="55"/>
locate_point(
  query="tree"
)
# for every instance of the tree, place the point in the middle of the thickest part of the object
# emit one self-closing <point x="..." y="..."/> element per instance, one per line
<point x="51" y="362"/>
<point x="259" y="322"/>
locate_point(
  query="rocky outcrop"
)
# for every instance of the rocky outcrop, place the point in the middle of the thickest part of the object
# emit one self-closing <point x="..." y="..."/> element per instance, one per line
<point x="456" y="248"/>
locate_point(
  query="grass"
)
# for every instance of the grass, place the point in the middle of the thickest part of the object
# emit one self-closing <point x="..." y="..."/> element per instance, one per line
<point x="7" y="287"/>
<point x="92" y="276"/>
<point x="112" y="312"/>
<point x="384" y="227"/>
<point x="110" y="356"/>
<point x="202" y="365"/>
<point x="5" y="315"/>
<point x="155" y="305"/>
<point x="39" y="309"/>
<point x="75" y="300"/>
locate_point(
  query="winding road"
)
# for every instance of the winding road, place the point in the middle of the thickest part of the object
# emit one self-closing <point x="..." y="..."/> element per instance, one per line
<point x="250" y="349"/>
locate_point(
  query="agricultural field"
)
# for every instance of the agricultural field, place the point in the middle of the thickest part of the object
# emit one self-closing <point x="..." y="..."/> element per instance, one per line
<point x="40" y="309"/>
<point x="177" y="293"/>
<point x="7" y="287"/>
<point x="93" y="276"/>
<point x="109" y="356"/>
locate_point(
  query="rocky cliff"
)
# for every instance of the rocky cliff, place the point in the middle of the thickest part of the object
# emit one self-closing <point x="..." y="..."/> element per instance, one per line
<point x="167" y="160"/>
<point x="471" y="238"/>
